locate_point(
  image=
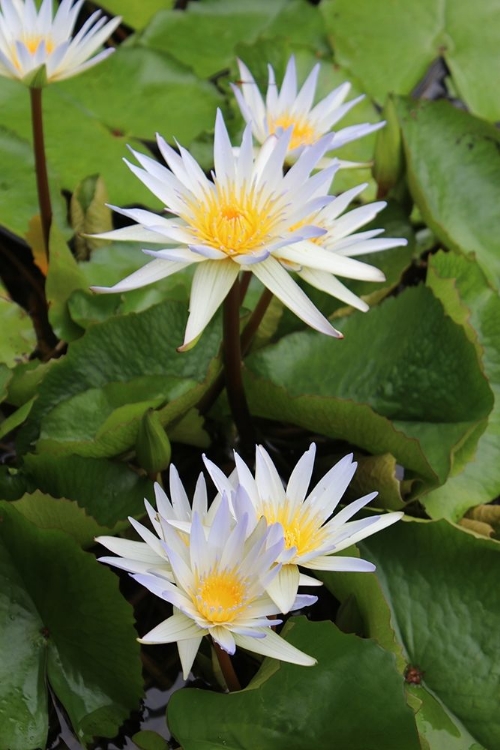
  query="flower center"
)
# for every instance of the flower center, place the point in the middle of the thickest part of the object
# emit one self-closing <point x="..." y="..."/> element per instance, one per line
<point x="302" y="530"/>
<point x="303" y="133"/>
<point x="236" y="221"/>
<point x="32" y="44"/>
<point x="220" y="596"/>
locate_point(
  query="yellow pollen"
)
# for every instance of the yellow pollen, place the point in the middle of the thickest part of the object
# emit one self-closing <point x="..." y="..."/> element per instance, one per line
<point x="220" y="596"/>
<point x="303" y="133"/>
<point x="32" y="44"/>
<point x="236" y="221"/>
<point x="302" y="530"/>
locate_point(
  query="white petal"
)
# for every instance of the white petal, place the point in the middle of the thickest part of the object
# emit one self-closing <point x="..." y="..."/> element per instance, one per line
<point x="151" y="272"/>
<point x="277" y="280"/>
<point x="276" y="647"/>
<point x="188" y="648"/>
<point x="381" y="523"/>
<point x="178" y="627"/>
<point x="300" y="477"/>
<point x="339" y="563"/>
<point x="224" y="638"/>
<point x="332" y="286"/>
<point x="283" y="589"/>
<point x="134" y="550"/>
<point x="211" y="283"/>
<point x="310" y="255"/>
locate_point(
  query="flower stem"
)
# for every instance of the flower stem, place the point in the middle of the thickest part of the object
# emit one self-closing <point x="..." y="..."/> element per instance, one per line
<point x="232" y="367"/>
<point x="42" y="181"/>
<point x="227" y="669"/>
<point x="211" y="396"/>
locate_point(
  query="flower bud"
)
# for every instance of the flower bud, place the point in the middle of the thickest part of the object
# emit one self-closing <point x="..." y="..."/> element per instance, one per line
<point x="152" y="447"/>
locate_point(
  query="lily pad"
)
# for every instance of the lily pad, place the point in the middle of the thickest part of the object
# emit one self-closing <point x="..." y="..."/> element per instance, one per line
<point x="468" y="298"/>
<point x="405" y="395"/>
<point x="390" y="49"/>
<point x="352" y="698"/>
<point x="453" y="172"/>
<point x="441" y="583"/>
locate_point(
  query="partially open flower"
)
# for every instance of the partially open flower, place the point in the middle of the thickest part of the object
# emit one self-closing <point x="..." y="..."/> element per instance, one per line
<point x="218" y="589"/>
<point x="286" y="108"/>
<point x="38" y="48"/>
<point x="310" y="529"/>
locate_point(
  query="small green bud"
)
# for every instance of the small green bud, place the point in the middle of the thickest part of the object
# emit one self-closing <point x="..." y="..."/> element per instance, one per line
<point x="152" y="447"/>
<point x="89" y="215"/>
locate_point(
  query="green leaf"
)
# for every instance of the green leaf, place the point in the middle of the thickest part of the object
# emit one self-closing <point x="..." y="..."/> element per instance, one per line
<point x="130" y="96"/>
<point x="92" y="401"/>
<point x="62" y="621"/>
<point x="135" y="14"/>
<point x="467" y="297"/>
<point x="203" y="37"/>
<point x="353" y="698"/>
<point x="66" y="515"/>
<point x="15" y="419"/>
<point x="419" y="398"/>
<point x="149" y="740"/>
<point x="416" y="33"/>
<point x="441" y="583"/>
<point x="451" y="155"/>
<point x="26" y="378"/>
<point x="5" y="378"/>
<point x="18" y="338"/>
<point x="120" y="491"/>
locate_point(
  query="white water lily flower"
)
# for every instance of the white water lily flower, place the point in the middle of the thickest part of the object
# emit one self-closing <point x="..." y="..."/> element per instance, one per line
<point x="310" y="529"/>
<point x="240" y="221"/>
<point x="219" y="585"/>
<point x="37" y="47"/>
<point x="288" y="108"/>
<point x="149" y="556"/>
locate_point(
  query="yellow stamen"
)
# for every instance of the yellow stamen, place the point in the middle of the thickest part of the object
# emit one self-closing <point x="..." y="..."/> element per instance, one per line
<point x="236" y="221"/>
<point x="220" y="596"/>
<point x="32" y="44"/>
<point x="303" y="133"/>
<point x="302" y="530"/>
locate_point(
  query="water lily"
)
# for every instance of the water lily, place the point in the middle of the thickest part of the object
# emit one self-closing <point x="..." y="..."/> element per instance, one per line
<point x="150" y="556"/>
<point x="289" y="108"/>
<point x="37" y="47"/>
<point x="251" y="217"/>
<point x="219" y="588"/>
<point x="313" y="535"/>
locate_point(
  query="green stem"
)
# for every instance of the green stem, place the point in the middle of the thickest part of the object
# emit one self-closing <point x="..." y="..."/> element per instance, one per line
<point x="227" y="669"/>
<point x="42" y="181"/>
<point x="232" y="367"/>
<point x="211" y="396"/>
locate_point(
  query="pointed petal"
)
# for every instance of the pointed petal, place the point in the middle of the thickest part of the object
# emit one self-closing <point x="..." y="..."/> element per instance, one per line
<point x="283" y="589"/>
<point x="148" y="274"/>
<point x="211" y="283"/>
<point x="276" y="647"/>
<point x="278" y="281"/>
